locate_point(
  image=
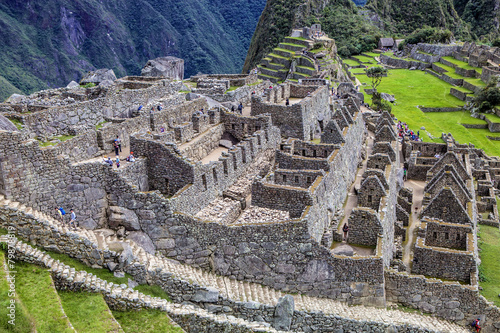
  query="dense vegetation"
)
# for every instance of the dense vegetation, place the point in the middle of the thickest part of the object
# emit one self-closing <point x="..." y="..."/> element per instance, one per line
<point x="481" y="16"/>
<point x="402" y="17"/>
<point x="428" y="35"/>
<point x="488" y="97"/>
<point x="49" y="43"/>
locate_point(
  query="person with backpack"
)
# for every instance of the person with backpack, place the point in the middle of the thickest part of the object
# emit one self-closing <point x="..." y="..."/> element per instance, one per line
<point x="61" y="213"/>
<point x="345" y="229"/>
<point x="119" y="143"/>
<point x="72" y="220"/>
<point x="476" y="325"/>
<point x="115" y="145"/>
<point x="240" y="108"/>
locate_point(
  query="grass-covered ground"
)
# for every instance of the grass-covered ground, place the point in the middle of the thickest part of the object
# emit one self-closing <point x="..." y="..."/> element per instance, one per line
<point x="350" y="62"/>
<point x="37" y="293"/>
<point x="416" y="88"/>
<point x="489" y="243"/>
<point x="23" y="322"/>
<point x="88" y="312"/>
<point x="145" y="321"/>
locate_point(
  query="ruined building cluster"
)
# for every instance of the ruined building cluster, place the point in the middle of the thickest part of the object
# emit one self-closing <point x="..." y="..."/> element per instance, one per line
<point x="229" y="212"/>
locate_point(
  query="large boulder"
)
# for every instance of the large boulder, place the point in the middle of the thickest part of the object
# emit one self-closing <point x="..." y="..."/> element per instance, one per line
<point x="98" y="76"/>
<point x="15" y="99"/>
<point x="170" y="67"/>
<point x="123" y="217"/>
<point x="7" y="125"/>
<point x="283" y="313"/>
<point x="73" y="84"/>
<point x="143" y="241"/>
<point x="387" y="97"/>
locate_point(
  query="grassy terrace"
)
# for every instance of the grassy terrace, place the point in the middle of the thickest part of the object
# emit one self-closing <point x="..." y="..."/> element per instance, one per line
<point x="350" y="62"/>
<point x="416" y="88"/>
<point x="365" y="59"/>
<point x="276" y="56"/>
<point x="475" y="82"/>
<point x="372" y="54"/>
<point x="465" y="90"/>
<point x="88" y="312"/>
<point x="492" y="117"/>
<point x="490" y="265"/>
<point x="145" y="321"/>
<point x="462" y="64"/>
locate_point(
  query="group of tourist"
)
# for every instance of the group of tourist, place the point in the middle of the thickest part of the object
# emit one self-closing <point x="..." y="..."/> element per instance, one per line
<point x="404" y="131"/>
<point x="72" y="217"/>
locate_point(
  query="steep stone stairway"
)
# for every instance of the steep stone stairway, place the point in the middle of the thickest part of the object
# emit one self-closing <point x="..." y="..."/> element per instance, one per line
<point x="239" y="290"/>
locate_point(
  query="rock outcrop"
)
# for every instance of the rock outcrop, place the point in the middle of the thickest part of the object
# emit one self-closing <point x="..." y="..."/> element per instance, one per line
<point x="171" y="67"/>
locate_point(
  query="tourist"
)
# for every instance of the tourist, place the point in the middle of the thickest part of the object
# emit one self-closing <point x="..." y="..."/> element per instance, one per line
<point x="162" y="129"/>
<point x="405" y="174"/>
<point x="130" y="157"/>
<point x="108" y="161"/>
<point x="233" y="108"/>
<point x="476" y="325"/>
<point x="119" y="143"/>
<point x="116" y="147"/>
<point x="61" y="213"/>
<point x="140" y="107"/>
<point x="152" y="110"/>
<point x="345" y="229"/>
<point x="240" y="108"/>
<point x="117" y="161"/>
<point x="72" y="220"/>
<point x="159" y="107"/>
<point x="287" y="101"/>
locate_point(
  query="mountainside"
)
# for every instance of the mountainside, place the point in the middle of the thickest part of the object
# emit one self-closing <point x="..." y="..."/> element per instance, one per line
<point x="49" y="43"/>
<point x="339" y="19"/>
<point x="465" y="18"/>
<point x="356" y="30"/>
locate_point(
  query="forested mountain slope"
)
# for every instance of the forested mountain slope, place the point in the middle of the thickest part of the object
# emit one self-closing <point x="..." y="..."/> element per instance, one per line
<point x="49" y="43"/>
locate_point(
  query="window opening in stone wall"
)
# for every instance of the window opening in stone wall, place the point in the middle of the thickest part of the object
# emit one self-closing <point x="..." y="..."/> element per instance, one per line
<point x="435" y="235"/>
<point x="235" y="162"/>
<point x="314" y="153"/>
<point x="296" y="179"/>
<point x="215" y="175"/>
<point x="370" y="198"/>
<point x="284" y="178"/>
<point x="233" y="127"/>
<point x="446" y="236"/>
<point x="458" y="236"/>
<point x="257" y="127"/>
<point x="303" y="152"/>
<point x="204" y="181"/>
<point x="309" y="180"/>
<point x="225" y="167"/>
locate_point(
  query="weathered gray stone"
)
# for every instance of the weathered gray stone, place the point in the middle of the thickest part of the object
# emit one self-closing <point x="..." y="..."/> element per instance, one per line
<point x="283" y="313"/>
<point x="211" y="295"/>
<point x="7" y="125"/>
<point x="119" y="216"/>
<point x="73" y="84"/>
<point x="170" y="67"/>
<point x="344" y="250"/>
<point x="143" y="241"/>
<point x="98" y="76"/>
<point x="15" y="99"/>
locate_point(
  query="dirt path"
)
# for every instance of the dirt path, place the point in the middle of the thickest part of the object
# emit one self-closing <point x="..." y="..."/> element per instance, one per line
<point x="411" y="237"/>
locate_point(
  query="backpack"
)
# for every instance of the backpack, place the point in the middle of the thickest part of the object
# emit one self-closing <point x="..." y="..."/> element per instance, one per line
<point x="62" y="211"/>
<point x="474" y="323"/>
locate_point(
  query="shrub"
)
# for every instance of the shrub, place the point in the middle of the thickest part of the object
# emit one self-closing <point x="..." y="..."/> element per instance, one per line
<point x="488" y="97"/>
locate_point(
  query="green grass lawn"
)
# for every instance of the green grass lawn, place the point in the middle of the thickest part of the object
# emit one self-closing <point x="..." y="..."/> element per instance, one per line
<point x="465" y="90"/>
<point x="365" y="59"/>
<point x="372" y="54"/>
<point x="416" y="88"/>
<point x="350" y="62"/>
<point x="462" y="64"/>
<point x="88" y="312"/>
<point x="145" y="321"/>
<point x="37" y="293"/>
<point x="445" y="67"/>
<point x="492" y="117"/>
<point x="489" y="244"/>
<point x="475" y="82"/>
<point x="23" y="322"/>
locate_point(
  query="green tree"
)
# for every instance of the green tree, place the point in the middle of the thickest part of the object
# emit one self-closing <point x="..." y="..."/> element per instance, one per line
<point x="488" y="97"/>
<point x="376" y="74"/>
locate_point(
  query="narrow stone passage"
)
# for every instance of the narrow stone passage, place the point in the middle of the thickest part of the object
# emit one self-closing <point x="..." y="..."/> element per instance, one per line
<point x="418" y="194"/>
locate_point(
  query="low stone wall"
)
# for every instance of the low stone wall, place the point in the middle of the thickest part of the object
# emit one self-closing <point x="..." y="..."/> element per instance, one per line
<point x="471" y="87"/>
<point x="424" y="109"/>
<point x="450" y="80"/>
<point x="466" y="72"/>
<point x="458" y="94"/>
<point x="488" y="72"/>
<point x="478" y="126"/>
<point x="107" y="135"/>
<point x="204" y="144"/>
<point x="403" y="63"/>
<point x="448" y="300"/>
<point x="79" y="148"/>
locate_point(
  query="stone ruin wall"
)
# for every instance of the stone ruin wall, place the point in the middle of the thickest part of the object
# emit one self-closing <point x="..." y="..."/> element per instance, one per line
<point x="299" y="120"/>
<point x="77" y="117"/>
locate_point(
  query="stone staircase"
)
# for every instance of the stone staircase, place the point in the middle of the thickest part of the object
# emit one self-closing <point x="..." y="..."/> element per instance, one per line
<point x="241" y="291"/>
<point x="66" y="277"/>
